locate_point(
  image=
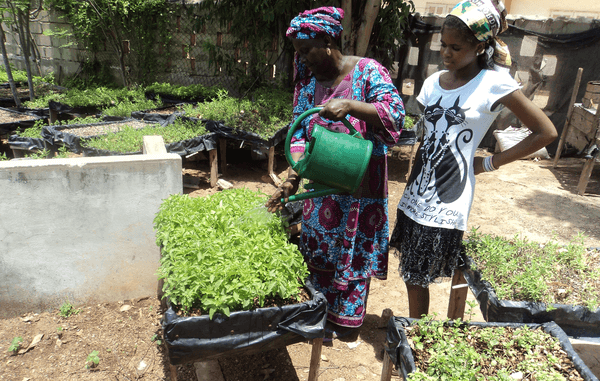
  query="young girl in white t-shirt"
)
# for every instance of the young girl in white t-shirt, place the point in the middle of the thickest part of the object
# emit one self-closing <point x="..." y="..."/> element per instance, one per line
<point x="459" y="105"/>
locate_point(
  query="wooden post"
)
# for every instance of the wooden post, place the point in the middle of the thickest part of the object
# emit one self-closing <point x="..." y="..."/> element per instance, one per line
<point x="315" y="359"/>
<point x="563" y="135"/>
<point x="271" y="164"/>
<point x="53" y="116"/>
<point x="386" y="371"/>
<point x="589" y="164"/>
<point x="410" y="161"/>
<point x="458" y="296"/>
<point x="214" y="168"/>
<point x="223" y="155"/>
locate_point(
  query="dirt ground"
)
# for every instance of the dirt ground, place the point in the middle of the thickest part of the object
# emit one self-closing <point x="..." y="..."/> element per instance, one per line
<point x="527" y="198"/>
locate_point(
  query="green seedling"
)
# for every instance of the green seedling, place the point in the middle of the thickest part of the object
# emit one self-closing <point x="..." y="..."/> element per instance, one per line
<point x="92" y="360"/>
<point x="67" y="310"/>
<point x="156" y="339"/>
<point x="15" y="345"/>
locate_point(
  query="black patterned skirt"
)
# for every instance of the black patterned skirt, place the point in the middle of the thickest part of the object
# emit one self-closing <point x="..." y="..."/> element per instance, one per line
<point x="426" y="253"/>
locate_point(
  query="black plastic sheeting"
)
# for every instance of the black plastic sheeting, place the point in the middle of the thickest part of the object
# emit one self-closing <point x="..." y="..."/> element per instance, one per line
<point x="7" y="128"/>
<point x="250" y="137"/>
<point x="576" y="321"/>
<point x="31" y="145"/>
<point x="77" y="111"/>
<point x="398" y="348"/>
<point x="199" y="338"/>
<point x="171" y="99"/>
<point x="60" y="135"/>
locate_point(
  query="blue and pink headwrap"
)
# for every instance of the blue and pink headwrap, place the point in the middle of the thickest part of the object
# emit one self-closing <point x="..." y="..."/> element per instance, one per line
<point x="311" y="24"/>
<point x="316" y="23"/>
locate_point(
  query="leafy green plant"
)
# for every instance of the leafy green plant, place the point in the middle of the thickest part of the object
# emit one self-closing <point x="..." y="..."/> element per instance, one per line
<point x="196" y="91"/>
<point x="125" y="108"/>
<point x="92" y="360"/>
<point x="15" y="344"/>
<point x="130" y="139"/>
<point x="31" y="132"/>
<point x="67" y="309"/>
<point x="452" y="350"/>
<point x="522" y="270"/>
<point x="156" y="339"/>
<point x="225" y="252"/>
<point x="263" y="112"/>
<point x="3" y="156"/>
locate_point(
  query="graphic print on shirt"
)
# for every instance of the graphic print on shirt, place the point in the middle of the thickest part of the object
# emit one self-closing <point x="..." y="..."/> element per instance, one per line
<point x="438" y="167"/>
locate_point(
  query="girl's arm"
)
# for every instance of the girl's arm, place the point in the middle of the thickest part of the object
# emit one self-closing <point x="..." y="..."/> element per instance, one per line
<point x="542" y="130"/>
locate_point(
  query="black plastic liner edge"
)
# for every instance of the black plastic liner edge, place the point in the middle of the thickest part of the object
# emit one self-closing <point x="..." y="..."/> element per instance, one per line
<point x="576" y="321"/>
<point x="247" y="136"/>
<point x="398" y="348"/>
<point x="7" y="128"/>
<point x="199" y="338"/>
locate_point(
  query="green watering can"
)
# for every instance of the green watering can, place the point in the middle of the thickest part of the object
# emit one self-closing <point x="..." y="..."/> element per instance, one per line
<point x="335" y="161"/>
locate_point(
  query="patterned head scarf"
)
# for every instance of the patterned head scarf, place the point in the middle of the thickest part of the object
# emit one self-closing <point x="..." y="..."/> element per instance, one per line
<point x="311" y="24"/>
<point x="486" y="19"/>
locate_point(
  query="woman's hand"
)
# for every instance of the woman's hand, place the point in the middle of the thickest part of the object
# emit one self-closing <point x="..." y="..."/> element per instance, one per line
<point x="335" y="109"/>
<point x="287" y="189"/>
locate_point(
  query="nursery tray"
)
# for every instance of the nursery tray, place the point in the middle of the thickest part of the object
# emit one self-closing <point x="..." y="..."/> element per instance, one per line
<point x="11" y="120"/>
<point x="576" y="321"/>
<point x="400" y="352"/>
<point x="198" y="338"/>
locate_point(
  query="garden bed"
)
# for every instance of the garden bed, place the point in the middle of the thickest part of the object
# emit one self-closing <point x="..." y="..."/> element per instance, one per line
<point x="427" y="349"/>
<point x="525" y="282"/>
<point x="11" y="120"/>
<point x="229" y="260"/>
<point x="72" y="136"/>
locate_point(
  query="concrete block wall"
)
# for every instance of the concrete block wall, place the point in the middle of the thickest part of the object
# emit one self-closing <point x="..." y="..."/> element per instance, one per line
<point x="81" y="229"/>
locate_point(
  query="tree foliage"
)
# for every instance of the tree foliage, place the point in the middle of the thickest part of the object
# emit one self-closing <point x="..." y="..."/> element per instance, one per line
<point x="255" y="23"/>
<point x="139" y="24"/>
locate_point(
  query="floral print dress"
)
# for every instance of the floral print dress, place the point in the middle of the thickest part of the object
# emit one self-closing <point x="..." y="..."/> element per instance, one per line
<point x="344" y="237"/>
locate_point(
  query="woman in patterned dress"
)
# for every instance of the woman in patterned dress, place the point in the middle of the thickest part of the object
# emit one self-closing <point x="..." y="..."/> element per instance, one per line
<point x="344" y="237"/>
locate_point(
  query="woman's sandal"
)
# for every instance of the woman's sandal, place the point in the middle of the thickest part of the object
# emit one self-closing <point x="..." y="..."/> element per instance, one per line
<point x="333" y="332"/>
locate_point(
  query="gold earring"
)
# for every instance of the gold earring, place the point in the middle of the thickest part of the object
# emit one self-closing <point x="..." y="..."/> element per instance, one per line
<point x="328" y="51"/>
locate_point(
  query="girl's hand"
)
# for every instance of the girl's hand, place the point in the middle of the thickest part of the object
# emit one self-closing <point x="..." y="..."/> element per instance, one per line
<point x="478" y="165"/>
<point x="287" y="189"/>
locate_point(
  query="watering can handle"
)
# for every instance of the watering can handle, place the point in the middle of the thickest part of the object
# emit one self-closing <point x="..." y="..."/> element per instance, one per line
<point x="296" y="123"/>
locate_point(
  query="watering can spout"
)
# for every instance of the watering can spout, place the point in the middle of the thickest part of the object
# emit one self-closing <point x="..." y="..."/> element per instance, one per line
<point x="334" y="161"/>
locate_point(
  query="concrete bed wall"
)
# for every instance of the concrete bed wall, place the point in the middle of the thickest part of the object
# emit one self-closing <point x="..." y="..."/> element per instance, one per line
<point x="80" y="229"/>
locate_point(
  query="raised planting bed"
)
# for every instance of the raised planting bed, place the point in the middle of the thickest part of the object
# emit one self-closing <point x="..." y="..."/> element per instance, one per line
<point x="431" y="350"/>
<point x="28" y="142"/>
<point x="233" y="283"/>
<point x="515" y="280"/>
<point x="181" y="135"/>
<point x="174" y="94"/>
<point x="12" y="120"/>
<point x="73" y="136"/>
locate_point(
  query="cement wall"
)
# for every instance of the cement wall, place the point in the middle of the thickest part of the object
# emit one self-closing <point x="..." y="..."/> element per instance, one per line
<point x="80" y="229"/>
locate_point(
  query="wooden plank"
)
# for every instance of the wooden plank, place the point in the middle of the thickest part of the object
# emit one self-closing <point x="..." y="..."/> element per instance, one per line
<point x="271" y="165"/>
<point x="586" y="173"/>
<point x="386" y="371"/>
<point x="315" y="359"/>
<point x="563" y="135"/>
<point x="577" y="139"/>
<point x="214" y="175"/>
<point x="458" y="296"/>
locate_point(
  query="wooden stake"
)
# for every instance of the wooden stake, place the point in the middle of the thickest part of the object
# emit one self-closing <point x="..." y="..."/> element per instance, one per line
<point x="386" y="372"/>
<point x="315" y="359"/>
<point x="563" y="135"/>
<point x="458" y="296"/>
<point x="213" y="167"/>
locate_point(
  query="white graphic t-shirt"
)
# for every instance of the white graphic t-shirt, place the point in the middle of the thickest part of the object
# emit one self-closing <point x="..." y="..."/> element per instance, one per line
<point x="439" y="192"/>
